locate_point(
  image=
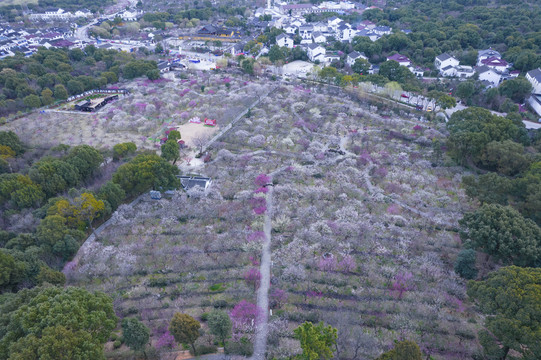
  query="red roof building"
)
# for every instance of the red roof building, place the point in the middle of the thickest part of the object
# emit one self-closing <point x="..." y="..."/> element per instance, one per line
<point x="401" y="59"/>
<point x="210" y="122"/>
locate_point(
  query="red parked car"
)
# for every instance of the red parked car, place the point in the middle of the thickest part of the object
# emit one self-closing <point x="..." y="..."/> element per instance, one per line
<point x="405" y="96"/>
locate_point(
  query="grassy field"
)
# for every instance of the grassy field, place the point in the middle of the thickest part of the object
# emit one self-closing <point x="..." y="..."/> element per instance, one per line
<point x="363" y="233"/>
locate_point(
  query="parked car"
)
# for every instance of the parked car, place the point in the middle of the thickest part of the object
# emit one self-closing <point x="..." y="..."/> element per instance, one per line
<point x="429" y="108"/>
<point x="405" y="96"/>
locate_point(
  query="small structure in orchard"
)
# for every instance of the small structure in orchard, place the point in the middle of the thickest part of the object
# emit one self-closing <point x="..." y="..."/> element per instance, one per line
<point x="190" y="182"/>
<point x="94" y="104"/>
<point x="210" y="122"/>
<point x="155" y="195"/>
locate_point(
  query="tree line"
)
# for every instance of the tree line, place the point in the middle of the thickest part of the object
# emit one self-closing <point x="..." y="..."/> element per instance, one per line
<point x="51" y="190"/>
<point x="504" y="229"/>
<point x="458" y="28"/>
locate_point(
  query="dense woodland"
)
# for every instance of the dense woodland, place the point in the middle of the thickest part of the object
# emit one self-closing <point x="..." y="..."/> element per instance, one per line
<point x="448" y="26"/>
<point x="53" y="74"/>
<point x="47" y="210"/>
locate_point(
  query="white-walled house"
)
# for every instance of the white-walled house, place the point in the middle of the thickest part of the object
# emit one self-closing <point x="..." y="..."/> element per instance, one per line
<point x="347" y="34"/>
<point x="534" y="77"/>
<point x="401" y="59"/>
<point x="369" y="25"/>
<point x="535" y="102"/>
<point x="464" y="71"/>
<point x="382" y="30"/>
<point x="290" y="29"/>
<point x="58" y="14"/>
<point x="444" y="60"/>
<point x="129" y="16"/>
<point x="284" y="40"/>
<point x="490" y="75"/>
<point x="334" y="21"/>
<point x="319" y="38"/>
<point x="320" y="26"/>
<point x="331" y="57"/>
<point x="315" y="52"/>
<point x="306" y="31"/>
<point x="354" y="55"/>
<point x="82" y="13"/>
<point x="448" y="71"/>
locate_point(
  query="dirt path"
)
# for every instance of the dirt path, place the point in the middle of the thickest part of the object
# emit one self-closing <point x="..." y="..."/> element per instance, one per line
<point x="260" y="345"/>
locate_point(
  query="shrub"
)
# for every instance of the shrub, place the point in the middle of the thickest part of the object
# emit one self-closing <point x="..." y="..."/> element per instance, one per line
<point x="204" y="316"/>
<point x="219" y="287"/>
<point x="132" y="310"/>
<point x="220" y="304"/>
<point x="206" y="349"/>
<point x="175" y="293"/>
<point x="242" y="347"/>
<point x="465" y="264"/>
<point x="158" y="282"/>
<point x="117" y="344"/>
<point x="123" y="149"/>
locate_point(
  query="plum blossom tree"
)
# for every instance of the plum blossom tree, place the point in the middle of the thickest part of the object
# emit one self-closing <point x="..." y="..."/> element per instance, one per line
<point x="278" y="298"/>
<point x="327" y="263"/>
<point x="402" y="283"/>
<point x="253" y="277"/>
<point x="244" y="317"/>
<point x="262" y="180"/>
<point x="347" y="264"/>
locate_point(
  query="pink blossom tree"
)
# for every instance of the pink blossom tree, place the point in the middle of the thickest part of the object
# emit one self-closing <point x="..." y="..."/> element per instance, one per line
<point x="347" y="264"/>
<point x="262" y="180"/>
<point x="278" y="298"/>
<point x="402" y="283"/>
<point x="258" y="205"/>
<point x="244" y="316"/>
<point x="166" y="340"/>
<point x="327" y="263"/>
<point x="255" y="236"/>
<point x="253" y="277"/>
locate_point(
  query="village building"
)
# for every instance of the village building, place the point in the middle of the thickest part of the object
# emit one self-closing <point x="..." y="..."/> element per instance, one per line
<point x="284" y="40"/>
<point x="353" y="56"/>
<point x="491" y="76"/>
<point x="315" y="52"/>
<point x="534" y="77"/>
<point x="485" y="54"/>
<point x="401" y="59"/>
<point x="444" y="61"/>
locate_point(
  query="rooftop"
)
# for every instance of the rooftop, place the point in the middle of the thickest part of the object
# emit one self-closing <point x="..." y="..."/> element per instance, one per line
<point x="398" y="58"/>
<point x="536" y="74"/>
<point x="443" y="57"/>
